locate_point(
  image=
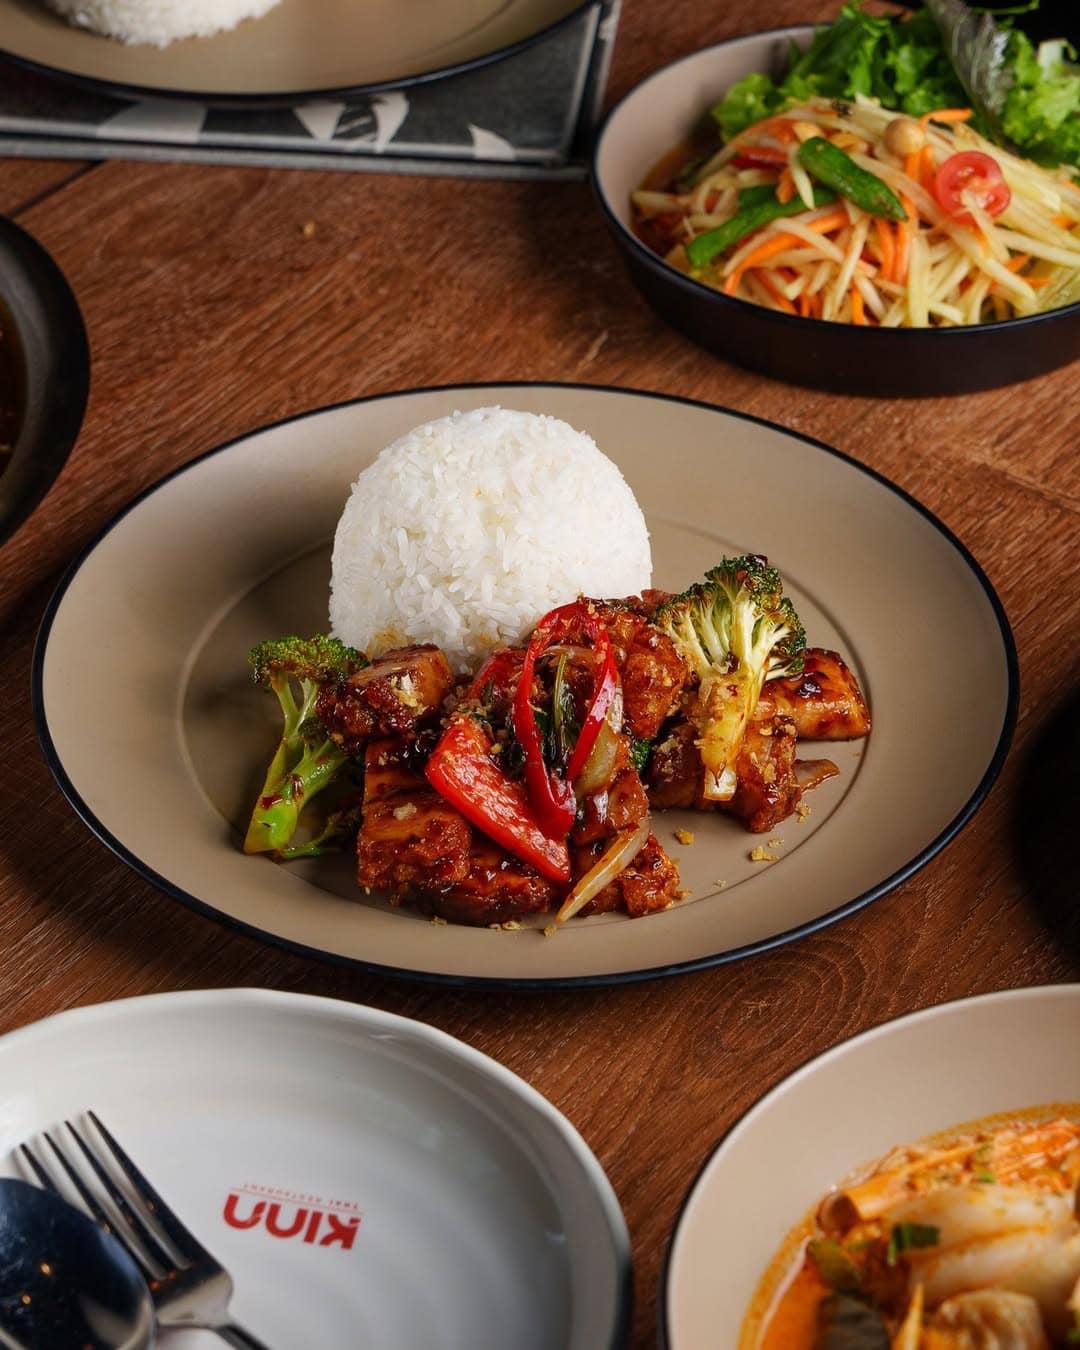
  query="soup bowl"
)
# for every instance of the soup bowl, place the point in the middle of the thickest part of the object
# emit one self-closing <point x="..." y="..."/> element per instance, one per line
<point x="920" y="1075"/>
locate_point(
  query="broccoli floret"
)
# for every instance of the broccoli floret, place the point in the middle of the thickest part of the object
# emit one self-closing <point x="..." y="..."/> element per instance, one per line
<point x="340" y="830"/>
<point x="736" y="629"/>
<point x="306" y="760"/>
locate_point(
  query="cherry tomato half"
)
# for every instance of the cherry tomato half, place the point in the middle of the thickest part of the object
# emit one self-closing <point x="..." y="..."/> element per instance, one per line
<point x="972" y="172"/>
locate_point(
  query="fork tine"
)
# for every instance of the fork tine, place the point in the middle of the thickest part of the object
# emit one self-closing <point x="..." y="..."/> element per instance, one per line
<point x="183" y="1240"/>
<point x="139" y="1229"/>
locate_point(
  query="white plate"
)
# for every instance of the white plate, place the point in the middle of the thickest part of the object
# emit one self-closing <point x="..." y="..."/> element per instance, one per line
<point x="462" y="1209"/>
<point x="157" y="618"/>
<point x="300" y="50"/>
<point x="899" y="1082"/>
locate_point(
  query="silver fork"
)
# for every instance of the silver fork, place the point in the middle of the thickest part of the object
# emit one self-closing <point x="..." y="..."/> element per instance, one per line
<point x="189" y="1287"/>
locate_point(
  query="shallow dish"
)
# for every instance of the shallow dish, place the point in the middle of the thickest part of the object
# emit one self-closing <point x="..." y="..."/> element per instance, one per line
<point x="41" y="317"/>
<point x="898" y="1082"/>
<point x="879" y="362"/>
<point x="249" y="529"/>
<point x="418" y="1191"/>
<point x="300" y="50"/>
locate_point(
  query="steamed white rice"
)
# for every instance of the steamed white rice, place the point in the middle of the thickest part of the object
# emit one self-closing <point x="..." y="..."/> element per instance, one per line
<point x="465" y="531"/>
<point x="158" y="22"/>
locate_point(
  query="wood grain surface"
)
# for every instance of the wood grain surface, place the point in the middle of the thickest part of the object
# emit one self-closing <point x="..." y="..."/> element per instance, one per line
<point x="211" y="310"/>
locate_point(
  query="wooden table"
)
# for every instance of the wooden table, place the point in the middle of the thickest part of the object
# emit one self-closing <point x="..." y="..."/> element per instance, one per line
<point x="211" y="310"/>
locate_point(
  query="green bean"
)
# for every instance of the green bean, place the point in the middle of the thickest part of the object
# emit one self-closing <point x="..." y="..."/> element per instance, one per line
<point x="836" y="169"/>
<point x="746" y="220"/>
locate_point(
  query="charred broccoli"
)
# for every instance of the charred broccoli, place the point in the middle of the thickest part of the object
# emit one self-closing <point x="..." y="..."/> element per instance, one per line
<point x="306" y="760"/>
<point x="736" y="629"/>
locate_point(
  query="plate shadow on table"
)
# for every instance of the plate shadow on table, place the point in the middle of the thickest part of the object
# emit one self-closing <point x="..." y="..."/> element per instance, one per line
<point x="1044" y="821"/>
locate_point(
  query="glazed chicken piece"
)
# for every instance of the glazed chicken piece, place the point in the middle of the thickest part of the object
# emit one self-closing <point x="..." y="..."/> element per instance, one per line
<point x="409" y="833"/>
<point x="825" y="701"/>
<point x="617" y="805"/>
<point x="652" y="671"/>
<point x="394" y="695"/>
<point x="648" y="884"/>
<point x="770" y="780"/>
<point x="767" y="789"/>
<point x="495" y="889"/>
<point x="675" y="775"/>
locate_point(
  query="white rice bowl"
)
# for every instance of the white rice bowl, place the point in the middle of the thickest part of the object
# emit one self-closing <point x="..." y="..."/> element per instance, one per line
<point x="465" y="531"/>
<point x="158" y="22"/>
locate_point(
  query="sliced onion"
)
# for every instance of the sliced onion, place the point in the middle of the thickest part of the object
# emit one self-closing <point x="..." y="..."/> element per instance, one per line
<point x="596" y="772"/>
<point x="619" y="856"/>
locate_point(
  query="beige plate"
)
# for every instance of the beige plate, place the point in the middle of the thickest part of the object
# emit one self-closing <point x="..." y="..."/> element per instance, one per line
<point x="157" y="618"/>
<point x="920" y="1075"/>
<point x="302" y="48"/>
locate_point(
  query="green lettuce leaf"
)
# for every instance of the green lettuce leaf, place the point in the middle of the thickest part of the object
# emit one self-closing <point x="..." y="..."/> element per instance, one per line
<point x="944" y="56"/>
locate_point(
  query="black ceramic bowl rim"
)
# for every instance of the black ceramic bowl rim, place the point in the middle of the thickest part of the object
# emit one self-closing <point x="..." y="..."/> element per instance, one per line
<point x="53" y="369"/>
<point x="787" y="324"/>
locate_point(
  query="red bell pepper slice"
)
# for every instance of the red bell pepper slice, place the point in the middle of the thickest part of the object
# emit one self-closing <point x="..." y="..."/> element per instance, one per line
<point x="552" y="797"/>
<point x="497" y="672"/>
<point x="462" y="771"/>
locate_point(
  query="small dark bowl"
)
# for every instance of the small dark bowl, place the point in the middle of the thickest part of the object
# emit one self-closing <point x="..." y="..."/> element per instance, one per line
<point x="881" y="362"/>
<point x="43" y="328"/>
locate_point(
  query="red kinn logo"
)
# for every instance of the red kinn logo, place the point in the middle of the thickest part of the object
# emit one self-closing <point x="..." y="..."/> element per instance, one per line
<point x="321" y="1223"/>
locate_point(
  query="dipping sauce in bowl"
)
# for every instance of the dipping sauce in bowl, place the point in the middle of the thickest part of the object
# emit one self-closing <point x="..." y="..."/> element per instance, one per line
<point x="9" y="400"/>
<point x="44" y="373"/>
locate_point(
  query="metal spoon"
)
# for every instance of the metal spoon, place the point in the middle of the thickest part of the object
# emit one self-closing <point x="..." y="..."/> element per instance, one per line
<point x="66" y="1284"/>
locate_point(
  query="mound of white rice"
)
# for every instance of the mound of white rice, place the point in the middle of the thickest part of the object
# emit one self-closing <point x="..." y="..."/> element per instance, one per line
<point x="159" y="21"/>
<point x="468" y="529"/>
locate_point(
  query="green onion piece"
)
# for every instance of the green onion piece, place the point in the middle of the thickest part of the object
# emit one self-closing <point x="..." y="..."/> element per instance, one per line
<point x="906" y="1236"/>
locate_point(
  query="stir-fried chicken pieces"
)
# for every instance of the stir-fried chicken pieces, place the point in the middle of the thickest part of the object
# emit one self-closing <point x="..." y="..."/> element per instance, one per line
<point x="409" y="834"/>
<point x="462" y="860"/>
<point x="824" y="702"/>
<point x="393" y="696"/>
<point x="652" y="671"/>
<point x="496" y="888"/>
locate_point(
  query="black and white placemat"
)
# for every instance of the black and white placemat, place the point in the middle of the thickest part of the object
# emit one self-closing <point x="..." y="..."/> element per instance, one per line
<point x="530" y="114"/>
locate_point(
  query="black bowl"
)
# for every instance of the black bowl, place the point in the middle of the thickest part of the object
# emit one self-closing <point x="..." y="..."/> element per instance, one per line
<point x="881" y="362"/>
<point x="44" y="331"/>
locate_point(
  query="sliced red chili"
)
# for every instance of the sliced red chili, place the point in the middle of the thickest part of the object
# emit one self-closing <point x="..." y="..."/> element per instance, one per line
<point x="463" y="772"/>
<point x="760" y="157"/>
<point x="551" y="795"/>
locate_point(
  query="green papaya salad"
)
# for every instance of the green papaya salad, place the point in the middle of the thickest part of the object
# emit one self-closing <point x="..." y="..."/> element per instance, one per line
<point x="912" y="171"/>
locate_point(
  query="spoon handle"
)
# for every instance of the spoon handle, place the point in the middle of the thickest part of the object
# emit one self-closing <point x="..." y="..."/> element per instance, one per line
<point x="236" y="1335"/>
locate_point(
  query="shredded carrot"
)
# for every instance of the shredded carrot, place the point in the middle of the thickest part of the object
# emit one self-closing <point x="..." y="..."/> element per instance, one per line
<point x="926" y="168"/>
<point x="1063" y="221"/>
<point x="1017" y="261"/>
<point x="903" y="243"/>
<point x="774" y="290"/>
<point x="804" y="304"/>
<point x="888" y="247"/>
<point x="911" y="164"/>
<point x="1038" y="281"/>
<point x="858" y="315"/>
<point x="945" y="115"/>
<point x="785" y="188"/>
<point x="826" y="224"/>
<point x="776" y="243"/>
<point x="783" y="128"/>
